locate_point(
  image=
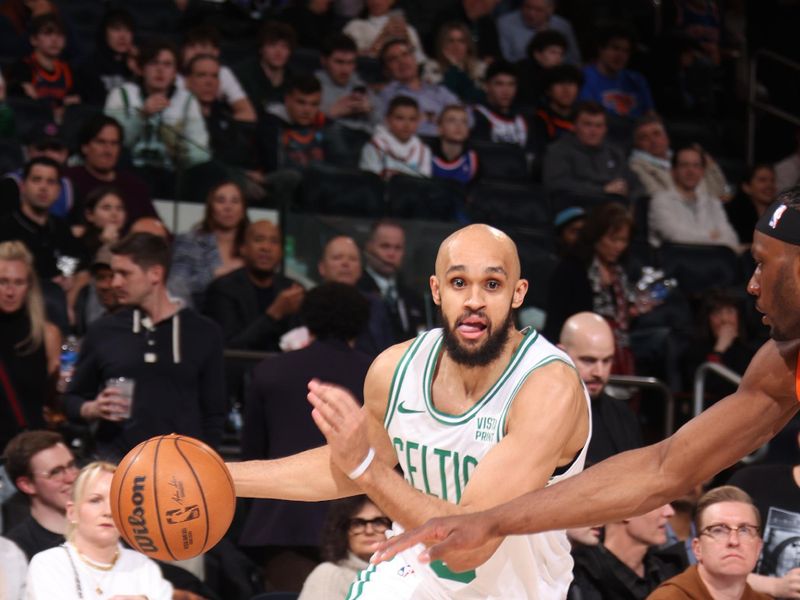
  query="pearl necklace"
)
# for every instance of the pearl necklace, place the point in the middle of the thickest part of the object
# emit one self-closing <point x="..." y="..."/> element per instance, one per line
<point x="99" y="566"/>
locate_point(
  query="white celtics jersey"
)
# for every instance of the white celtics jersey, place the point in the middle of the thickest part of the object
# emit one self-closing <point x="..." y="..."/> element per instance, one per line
<point x="438" y="452"/>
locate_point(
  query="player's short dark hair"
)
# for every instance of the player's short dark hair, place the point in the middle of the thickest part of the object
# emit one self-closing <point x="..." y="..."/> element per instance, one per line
<point x="92" y="127"/>
<point x="202" y="34"/>
<point x="44" y="161"/>
<point x="401" y="101"/>
<point x="337" y="42"/>
<point x="335" y="311"/>
<point x="563" y="74"/>
<point x="272" y="32"/>
<point x="45" y="23"/>
<point x="725" y="493"/>
<point x="501" y="67"/>
<point x="686" y="148"/>
<point x="145" y="250"/>
<point x="589" y="107"/>
<point x="304" y="83"/>
<point x="153" y="48"/>
<point x="545" y="39"/>
<point x="23" y="447"/>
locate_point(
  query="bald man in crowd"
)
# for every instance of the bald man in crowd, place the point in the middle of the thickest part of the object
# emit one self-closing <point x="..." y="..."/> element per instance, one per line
<point x="256" y="304"/>
<point x="588" y="340"/>
<point x="475" y="413"/>
<point x="341" y="263"/>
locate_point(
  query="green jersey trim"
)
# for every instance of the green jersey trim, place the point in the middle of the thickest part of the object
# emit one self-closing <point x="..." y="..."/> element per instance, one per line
<point x="397" y="378"/>
<point x="501" y="425"/>
<point x="427" y="381"/>
<point x="357" y="587"/>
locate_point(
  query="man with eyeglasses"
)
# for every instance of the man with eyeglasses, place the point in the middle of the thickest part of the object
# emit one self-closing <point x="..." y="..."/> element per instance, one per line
<point x="727" y="548"/>
<point x="43" y="468"/>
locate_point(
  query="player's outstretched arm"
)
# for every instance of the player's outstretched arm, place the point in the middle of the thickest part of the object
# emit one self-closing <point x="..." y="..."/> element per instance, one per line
<point x="550" y="408"/>
<point x="633" y="482"/>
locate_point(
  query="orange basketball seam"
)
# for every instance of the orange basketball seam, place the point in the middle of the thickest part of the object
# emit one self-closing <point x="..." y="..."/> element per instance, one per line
<point x="213" y="454"/>
<point x="120" y="524"/>
<point x="155" y="497"/>
<point x="199" y="487"/>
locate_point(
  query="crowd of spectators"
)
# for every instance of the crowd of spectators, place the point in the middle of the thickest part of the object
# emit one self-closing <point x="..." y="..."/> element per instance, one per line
<point x="484" y="95"/>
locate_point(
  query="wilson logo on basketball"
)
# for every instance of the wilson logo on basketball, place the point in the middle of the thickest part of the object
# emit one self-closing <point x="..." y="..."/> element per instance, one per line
<point x="137" y="519"/>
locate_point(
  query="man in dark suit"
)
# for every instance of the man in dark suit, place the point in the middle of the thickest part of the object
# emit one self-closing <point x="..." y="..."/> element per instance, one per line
<point x="383" y="254"/>
<point x="255" y="305"/>
<point x="589" y="341"/>
<point x="277" y="422"/>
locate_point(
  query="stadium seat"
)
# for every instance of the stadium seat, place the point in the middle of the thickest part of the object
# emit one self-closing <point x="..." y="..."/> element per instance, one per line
<point x="502" y="204"/>
<point x="75" y="115"/>
<point x="31" y="116"/>
<point x="411" y="197"/>
<point x="10" y="156"/>
<point x="700" y="267"/>
<point x="304" y="60"/>
<point x="561" y="200"/>
<point x="505" y="162"/>
<point x="339" y="191"/>
<point x="369" y="69"/>
<point x="538" y="261"/>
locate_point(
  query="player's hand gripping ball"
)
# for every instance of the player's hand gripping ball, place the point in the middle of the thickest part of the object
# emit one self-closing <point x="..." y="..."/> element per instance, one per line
<point x="172" y="497"/>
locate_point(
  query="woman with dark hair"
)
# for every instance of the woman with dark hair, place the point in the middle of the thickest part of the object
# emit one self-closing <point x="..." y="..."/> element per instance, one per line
<point x="353" y="529"/>
<point x="592" y="279"/>
<point x="757" y="191"/>
<point x="29" y="344"/>
<point x="114" y="59"/>
<point x="456" y="64"/>
<point x="104" y="210"/>
<point x="211" y="249"/>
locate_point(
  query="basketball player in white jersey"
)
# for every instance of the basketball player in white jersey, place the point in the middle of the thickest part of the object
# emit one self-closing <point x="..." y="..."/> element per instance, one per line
<point x="476" y="414"/>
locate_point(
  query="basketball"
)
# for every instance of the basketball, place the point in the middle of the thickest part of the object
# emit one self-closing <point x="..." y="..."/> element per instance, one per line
<point x="172" y="497"/>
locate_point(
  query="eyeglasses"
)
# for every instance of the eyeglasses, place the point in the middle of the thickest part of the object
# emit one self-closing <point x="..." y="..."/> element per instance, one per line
<point x="379" y="524"/>
<point x="721" y="532"/>
<point x="60" y="471"/>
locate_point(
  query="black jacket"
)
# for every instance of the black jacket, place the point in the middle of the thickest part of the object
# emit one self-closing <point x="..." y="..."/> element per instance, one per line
<point x="232" y="302"/>
<point x="615" y="429"/>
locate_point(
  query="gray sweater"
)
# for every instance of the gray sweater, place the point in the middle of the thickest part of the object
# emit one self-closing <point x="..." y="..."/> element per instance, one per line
<point x="575" y="168"/>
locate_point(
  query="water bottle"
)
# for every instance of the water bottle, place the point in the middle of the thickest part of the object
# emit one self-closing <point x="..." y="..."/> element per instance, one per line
<point x="69" y="356"/>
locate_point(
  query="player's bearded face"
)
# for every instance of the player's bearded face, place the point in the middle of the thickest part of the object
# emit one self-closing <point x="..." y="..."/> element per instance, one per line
<point x="482" y="353"/>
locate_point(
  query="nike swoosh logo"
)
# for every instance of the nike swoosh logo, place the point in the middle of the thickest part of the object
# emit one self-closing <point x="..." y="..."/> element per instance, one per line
<point x="407" y="411"/>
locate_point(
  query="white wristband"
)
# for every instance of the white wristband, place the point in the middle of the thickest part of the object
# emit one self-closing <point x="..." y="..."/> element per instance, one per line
<point x="359" y="470"/>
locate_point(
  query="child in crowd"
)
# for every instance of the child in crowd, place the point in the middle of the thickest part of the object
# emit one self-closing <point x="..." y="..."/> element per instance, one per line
<point x="297" y="124"/>
<point x="555" y="116"/>
<point x="42" y="75"/>
<point x="452" y="159"/>
<point x="395" y="147"/>
<point x="497" y="120"/>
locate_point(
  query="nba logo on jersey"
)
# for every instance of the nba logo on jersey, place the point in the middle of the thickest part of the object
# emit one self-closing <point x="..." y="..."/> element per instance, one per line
<point x="405" y="571"/>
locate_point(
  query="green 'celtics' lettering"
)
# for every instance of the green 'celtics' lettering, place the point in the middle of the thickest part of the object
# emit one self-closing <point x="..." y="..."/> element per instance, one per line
<point x="454" y="469"/>
<point x="411" y="469"/>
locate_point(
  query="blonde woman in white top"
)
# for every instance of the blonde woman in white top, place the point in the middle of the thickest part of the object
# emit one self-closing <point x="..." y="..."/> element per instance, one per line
<point x="92" y="564"/>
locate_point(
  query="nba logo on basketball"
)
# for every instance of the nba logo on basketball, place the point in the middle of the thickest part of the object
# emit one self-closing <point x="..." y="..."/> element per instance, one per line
<point x="172" y="497"/>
